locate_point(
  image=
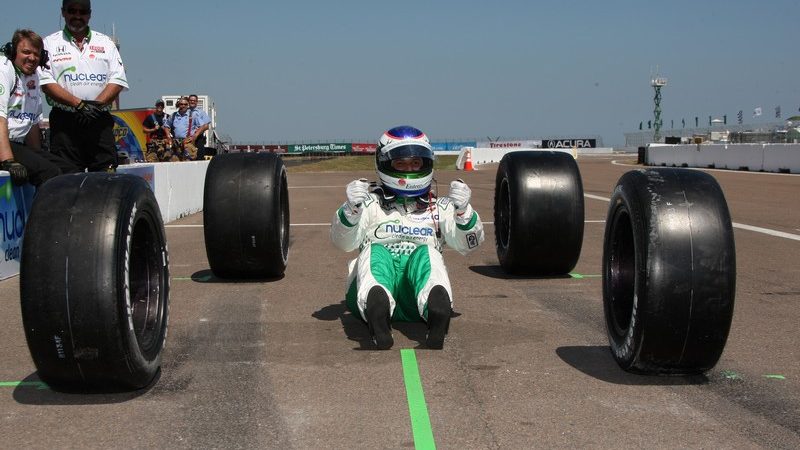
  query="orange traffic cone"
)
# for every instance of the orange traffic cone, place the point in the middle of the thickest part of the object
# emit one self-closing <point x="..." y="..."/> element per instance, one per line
<point x="468" y="161"/>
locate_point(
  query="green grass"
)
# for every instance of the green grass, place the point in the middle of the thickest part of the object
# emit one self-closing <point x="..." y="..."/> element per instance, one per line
<point x="355" y="163"/>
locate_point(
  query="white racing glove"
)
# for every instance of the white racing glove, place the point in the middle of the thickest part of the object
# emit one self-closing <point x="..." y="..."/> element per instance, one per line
<point x="460" y="194"/>
<point x="357" y="193"/>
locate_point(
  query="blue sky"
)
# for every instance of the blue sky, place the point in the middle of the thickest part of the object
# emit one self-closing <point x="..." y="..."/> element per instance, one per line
<point x="311" y="70"/>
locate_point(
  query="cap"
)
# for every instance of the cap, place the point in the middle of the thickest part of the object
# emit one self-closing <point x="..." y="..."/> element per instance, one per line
<point x="159" y="102"/>
<point x="86" y="3"/>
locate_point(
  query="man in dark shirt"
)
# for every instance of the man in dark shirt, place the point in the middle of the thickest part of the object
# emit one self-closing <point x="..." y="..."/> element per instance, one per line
<point x="159" y="144"/>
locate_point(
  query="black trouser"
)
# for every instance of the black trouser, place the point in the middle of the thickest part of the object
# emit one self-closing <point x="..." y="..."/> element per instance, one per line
<point x="200" y="143"/>
<point x="91" y="146"/>
<point x="41" y="165"/>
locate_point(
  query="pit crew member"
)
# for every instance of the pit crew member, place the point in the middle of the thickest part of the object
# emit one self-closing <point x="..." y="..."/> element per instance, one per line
<point x="86" y="76"/>
<point x="21" y="151"/>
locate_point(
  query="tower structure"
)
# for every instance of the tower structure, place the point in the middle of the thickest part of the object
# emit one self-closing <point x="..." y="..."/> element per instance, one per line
<point x="657" y="82"/>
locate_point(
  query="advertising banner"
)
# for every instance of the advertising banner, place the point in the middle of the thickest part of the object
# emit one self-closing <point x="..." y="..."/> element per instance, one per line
<point x="128" y="132"/>
<point x="452" y="146"/>
<point x="276" y="148"/>
<point x="569" y="143"/>
<point x="320" y="148"/>
<point x="258" y="148"/>
<point x="15" y="205"/>
<point x="360" y="148"/>
<point x="144" y="171"/>
<point x="509" y="145"/>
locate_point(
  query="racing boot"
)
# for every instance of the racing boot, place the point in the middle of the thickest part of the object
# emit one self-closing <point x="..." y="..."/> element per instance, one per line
<point x="377" y="313"/>
<point x="438" y="317"/>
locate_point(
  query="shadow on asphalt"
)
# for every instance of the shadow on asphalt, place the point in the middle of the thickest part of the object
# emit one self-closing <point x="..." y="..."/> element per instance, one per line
<point x="33" y="391"/>
<point x="597" y="362"/>
<point x="207" y="276"/>
<point x="497" y="272"/>
<point x="356" y="329"/>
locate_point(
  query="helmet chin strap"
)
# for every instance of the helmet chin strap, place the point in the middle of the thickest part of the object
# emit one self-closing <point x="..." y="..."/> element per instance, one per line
<point x="387" y="197"/>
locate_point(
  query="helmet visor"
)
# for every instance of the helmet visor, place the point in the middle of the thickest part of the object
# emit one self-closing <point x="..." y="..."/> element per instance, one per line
<point x="407" y="151"/>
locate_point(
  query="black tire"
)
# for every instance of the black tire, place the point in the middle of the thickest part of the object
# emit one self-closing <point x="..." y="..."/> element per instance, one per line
<point x="669" y="271"/>
<point x="246" y="215"/>
<point x="538" y="213"/>
<point x="94" y="282"/>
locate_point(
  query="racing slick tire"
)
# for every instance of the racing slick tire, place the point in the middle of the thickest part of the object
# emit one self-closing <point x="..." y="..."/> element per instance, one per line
<point x="246" y="215"/>
<point x="669" y="271"/>
<point x="538" y="213"/>
<point x="94" y="282"/>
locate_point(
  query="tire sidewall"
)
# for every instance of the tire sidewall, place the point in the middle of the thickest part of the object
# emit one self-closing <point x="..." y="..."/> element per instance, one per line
<point x="625" y="344"/>
<point x="142" y="209"/>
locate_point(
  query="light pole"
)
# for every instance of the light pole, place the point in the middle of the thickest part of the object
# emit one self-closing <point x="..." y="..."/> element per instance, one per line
<point x="657" y="83"/>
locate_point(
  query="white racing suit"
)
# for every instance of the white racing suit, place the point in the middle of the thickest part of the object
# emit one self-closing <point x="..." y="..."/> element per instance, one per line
<point x="401" y="250"/>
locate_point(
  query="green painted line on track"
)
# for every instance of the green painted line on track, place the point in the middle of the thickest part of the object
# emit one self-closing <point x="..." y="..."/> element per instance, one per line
<point x="37" y="384"/>
<point x="578" y="276"/>
<point x="775" y="377"/>
<point x="420" y="422"/>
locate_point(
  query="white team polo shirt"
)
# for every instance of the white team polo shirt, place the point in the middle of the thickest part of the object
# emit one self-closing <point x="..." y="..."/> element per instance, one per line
<point x="83" y="73"/>
<point x="20" y="100"/>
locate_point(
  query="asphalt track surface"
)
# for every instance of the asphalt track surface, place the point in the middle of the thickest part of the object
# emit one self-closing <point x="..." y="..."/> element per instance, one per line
<point x="281" y="364"/>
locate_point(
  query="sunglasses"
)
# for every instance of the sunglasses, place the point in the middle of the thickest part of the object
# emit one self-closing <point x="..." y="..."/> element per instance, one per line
<point x="183" y="104"/>
<point x="78" y="12"/>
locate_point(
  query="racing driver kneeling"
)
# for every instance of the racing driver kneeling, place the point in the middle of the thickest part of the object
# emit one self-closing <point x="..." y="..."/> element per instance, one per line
<point x="400" y="228"/>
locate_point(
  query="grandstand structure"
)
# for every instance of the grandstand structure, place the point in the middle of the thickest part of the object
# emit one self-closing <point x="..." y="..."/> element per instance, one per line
<point x="770" y="132"/>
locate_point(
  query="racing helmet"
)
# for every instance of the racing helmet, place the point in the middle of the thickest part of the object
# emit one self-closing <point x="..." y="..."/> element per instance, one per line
<point x="404" y="142"/>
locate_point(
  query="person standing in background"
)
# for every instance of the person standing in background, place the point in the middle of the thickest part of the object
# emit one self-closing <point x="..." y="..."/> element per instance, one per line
<point x="202" y="122"/>
<point x="86" y="75"/>
<point x="159" y="146"/>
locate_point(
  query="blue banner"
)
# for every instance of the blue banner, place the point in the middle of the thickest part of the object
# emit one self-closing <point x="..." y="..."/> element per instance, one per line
<point x="452" y="146"/>
<point x="15" y="205"/>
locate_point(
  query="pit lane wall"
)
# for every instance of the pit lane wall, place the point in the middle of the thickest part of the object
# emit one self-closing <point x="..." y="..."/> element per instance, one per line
<point x="485" y="155"/>
<point x="753" y="157"/>
<point x="178" y="185"/>
<point x="178" y="188"/>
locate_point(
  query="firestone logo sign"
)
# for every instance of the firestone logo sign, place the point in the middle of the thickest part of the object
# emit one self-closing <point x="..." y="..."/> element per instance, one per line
<point x="505" y="145"/>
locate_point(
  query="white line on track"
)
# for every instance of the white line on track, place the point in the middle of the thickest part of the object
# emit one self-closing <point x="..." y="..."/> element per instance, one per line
<point x="741" y="226"/>
<point x="767" y="231"/>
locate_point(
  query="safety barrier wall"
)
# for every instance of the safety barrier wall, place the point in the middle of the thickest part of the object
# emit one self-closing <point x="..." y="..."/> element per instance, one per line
<point x="494" y="155"/>
<point x="178" y="188"/>
<point x="753" y="157"/>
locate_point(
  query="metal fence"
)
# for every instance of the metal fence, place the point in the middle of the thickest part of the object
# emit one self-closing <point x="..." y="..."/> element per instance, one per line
<point x="762" y="132"/>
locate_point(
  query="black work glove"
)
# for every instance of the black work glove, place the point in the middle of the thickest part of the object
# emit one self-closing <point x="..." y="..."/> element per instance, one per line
<point x="88" y="111"/>
<point x="18" y="172"/>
